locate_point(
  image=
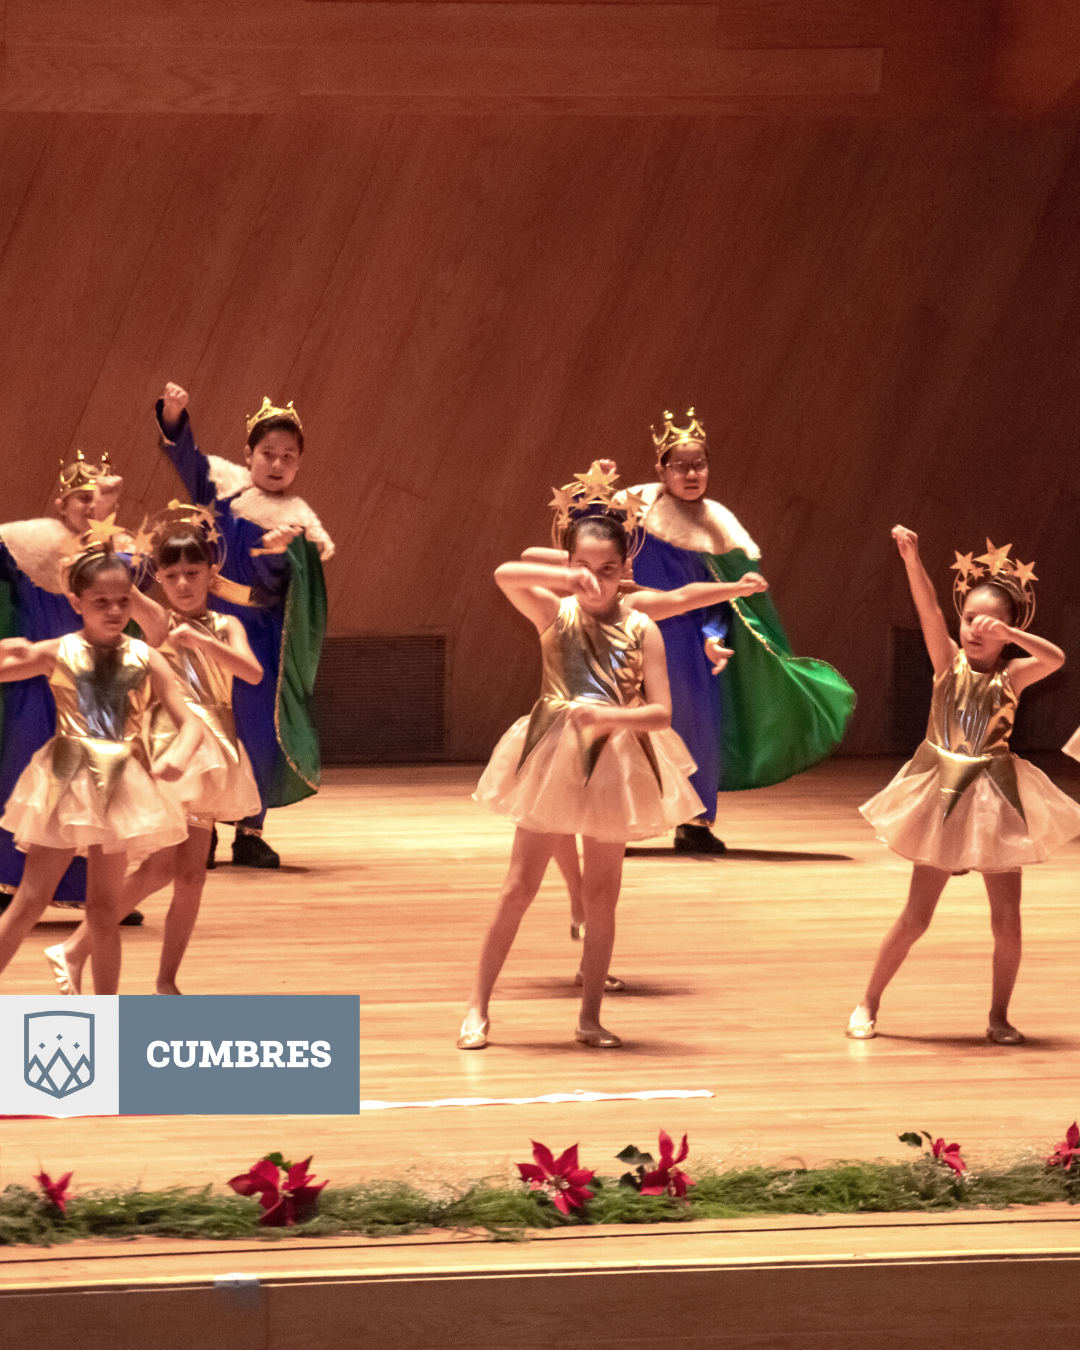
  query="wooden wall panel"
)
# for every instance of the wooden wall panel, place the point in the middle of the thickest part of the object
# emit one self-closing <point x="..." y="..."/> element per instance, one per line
<point x="877" y="319"/>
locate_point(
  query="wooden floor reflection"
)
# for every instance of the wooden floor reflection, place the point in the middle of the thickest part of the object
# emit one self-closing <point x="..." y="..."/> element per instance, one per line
<point x="740" y="974"/>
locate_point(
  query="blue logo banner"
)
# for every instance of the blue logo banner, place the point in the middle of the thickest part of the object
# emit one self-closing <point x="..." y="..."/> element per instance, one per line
<point x="240" y="1054"/>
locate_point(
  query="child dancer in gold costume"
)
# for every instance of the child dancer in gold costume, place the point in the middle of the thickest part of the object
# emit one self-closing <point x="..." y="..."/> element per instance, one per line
<point x="90" y="790"/>
<point x="964" y="802"/>
<point x="597" y="756"/>
<point x="204" y="650"/>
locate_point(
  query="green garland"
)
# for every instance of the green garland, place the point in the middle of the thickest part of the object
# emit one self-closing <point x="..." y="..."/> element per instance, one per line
<point x="507" y="1212"/>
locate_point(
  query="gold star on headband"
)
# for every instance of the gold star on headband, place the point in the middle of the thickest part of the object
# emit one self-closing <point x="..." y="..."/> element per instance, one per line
<point x="102" y="531"/>
<point x="995" y="558"/>
<point x="963" y="564"/>
<point x="1025" y="573"/>
<point x="635" y="504"/>
<point x="562" y="501"/>
<point x="598" y="481"/>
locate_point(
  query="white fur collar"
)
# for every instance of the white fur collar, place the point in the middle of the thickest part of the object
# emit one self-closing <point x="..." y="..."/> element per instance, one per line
<point x="266" y="508"/>
<point x="703" y="526"/>
<point x="38" y="547"/>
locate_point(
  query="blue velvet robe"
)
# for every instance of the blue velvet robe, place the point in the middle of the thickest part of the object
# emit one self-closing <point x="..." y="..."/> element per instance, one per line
<point x="29" y="710"/>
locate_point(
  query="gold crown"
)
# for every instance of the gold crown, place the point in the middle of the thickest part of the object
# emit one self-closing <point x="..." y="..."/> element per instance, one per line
<point x="268" y="410"/>
<point x="672" y="436"/>
<point x="79" y="475"/>
<point x="996" y="568"/>
<point x="597" y="489"/>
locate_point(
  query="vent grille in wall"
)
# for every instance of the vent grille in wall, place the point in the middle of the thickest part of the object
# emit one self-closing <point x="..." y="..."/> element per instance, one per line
<point x="912" y="685"/>
<point x="381" y="700"/>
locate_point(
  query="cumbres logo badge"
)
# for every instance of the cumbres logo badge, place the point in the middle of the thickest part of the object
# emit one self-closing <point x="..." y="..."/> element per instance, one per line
<point x="58" y="1053"/>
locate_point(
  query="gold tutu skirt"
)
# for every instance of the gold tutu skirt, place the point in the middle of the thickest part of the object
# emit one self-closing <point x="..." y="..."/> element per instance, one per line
<point x="984" y="833"/>
<point x="138" y="820"/>
<point x="213" y="786"/>
<point x="622" y="800"/>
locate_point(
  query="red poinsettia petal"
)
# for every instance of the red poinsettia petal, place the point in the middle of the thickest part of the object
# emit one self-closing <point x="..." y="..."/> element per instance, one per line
<point x="581" y="1177"/>
<point x="684" y="1149"/>
<point x="44" y="1180"/>
<point x="306" y="1201"/>
<point x="578" y="1196"/>
<point x="937" y="1146"/>
<point x="297" y="1175"/>
<point x="530" y="1172"/>
<point x="667" y="1149"/>
<point x="279" y="1216"/>
<point x="61" y="1185"/>
<point x="654" y="1189"/>
<point x="269" y="1171"/>
<point x="655" y="1182"/>
<point x="543" y="1157"/>
<point x="1072" y="1135"/>
<point x="567" y="1162"/>
<point x="562" y="1203"/>
<point x="250" y="1184"/>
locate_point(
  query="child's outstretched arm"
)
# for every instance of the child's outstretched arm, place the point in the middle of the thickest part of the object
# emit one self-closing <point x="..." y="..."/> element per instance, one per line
<point x="535" y="588"/>
<point x="695" y="595"/>
<point x="235" y="655"/>
<point x="1043" y="659"/>
<point x="939" y="644"/>
<point x="171" y="764"/>
<point x="22" y="660"/>
<point x="179" y="444"/>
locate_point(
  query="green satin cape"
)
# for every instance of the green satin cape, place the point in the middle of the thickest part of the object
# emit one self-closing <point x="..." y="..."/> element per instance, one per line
<point x="780" y="714"/>
<point x="297" y="773"/>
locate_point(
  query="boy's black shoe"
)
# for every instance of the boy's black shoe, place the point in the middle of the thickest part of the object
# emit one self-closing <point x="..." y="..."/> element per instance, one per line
<point x="133" y="920"/>
<point x="698" y="839"/>
<point x="251" y="850"/>
<point x="211" y="856"/>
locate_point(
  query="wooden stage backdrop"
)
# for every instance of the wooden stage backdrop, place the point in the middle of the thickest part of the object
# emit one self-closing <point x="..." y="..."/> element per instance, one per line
<point x="480" y="244"/>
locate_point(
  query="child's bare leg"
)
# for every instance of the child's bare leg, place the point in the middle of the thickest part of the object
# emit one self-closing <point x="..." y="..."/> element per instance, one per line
<point x="104" y="910"/>
<point x="927" y="883"/>
<point x="1003" y="892"/>
<point x="42" y="873"/>
<point x="190" y="877"/>
<point x="566" y="858"/>
<point x="154" y="873"/>
<point x="528" y="863"/>
<point x="600" y="882"/>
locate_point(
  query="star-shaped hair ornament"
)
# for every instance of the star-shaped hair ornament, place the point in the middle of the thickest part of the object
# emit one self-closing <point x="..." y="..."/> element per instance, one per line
<point x="995" y="558"/>
<point x="997" y="570"/>
<point x="594" y="494"/>
<point x="171" y="520"/>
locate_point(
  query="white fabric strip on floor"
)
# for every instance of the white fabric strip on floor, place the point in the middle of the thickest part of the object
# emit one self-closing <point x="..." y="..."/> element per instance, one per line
<point x="556" y="1098"/>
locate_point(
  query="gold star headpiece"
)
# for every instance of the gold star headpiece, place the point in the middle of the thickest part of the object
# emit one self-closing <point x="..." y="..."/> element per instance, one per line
<point x="594" y="494"/>
<point x="671" y="436"/>
<point x="267" y="411"/>
<point x="157" y="528"/>
<point x="996" y="568"/>
<point x="79" y="474"/>
<point x="99" y="541"/>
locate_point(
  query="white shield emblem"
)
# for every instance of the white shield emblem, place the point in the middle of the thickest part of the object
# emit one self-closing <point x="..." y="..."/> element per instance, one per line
<point x="58" y="1051"/>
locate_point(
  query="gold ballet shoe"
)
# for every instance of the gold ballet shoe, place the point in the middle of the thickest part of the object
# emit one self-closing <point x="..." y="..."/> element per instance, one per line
<point x="860" y="1031"/>
<point x="599" y="1040"/>
<point x="474" y="1040"/>
<point x="57" y="959"/>
<point x="612" y="983"/>
<point x="577" y="931"/>
<point x="1006" y="1035"/>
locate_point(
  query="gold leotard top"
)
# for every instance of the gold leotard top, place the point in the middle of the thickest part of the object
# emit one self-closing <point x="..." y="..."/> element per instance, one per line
<point x="971" y="719"/>
<point x="101" y="694"/>
<point x="585" y="661"/>
<point x="205" y="685"/>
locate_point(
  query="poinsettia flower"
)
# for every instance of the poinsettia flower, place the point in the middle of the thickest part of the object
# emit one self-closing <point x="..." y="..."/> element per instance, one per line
<point x="284" y="1203"/>
<point x="949" y="1154"/>
<point x="561" y="1179"/>
<point x="55" y="1191"/>
<point x="667" y="1179"/>
<point x="1068" y="1150"/>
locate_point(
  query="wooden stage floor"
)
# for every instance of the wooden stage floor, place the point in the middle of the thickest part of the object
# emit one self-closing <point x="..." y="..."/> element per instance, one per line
<point x="741" y="973"/>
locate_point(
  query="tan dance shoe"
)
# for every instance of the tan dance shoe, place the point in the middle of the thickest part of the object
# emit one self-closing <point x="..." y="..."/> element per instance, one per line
<point x="860" y="1030"/>
<point x="474" y="1040"/>
<point x="57" y="959"/>
<point x="577" y="931"/>
<point x="612" y="983"/>
<point x="599" y="1040"/>
<point x="1006" y="1035"/>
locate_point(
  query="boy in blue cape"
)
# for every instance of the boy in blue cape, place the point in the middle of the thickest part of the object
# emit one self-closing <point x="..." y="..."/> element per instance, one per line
<point x="272" y="581"/>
